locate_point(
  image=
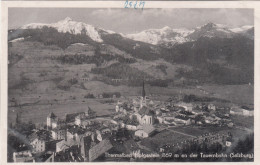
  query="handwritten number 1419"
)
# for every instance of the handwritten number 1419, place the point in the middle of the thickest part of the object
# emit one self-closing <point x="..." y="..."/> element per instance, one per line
<point x="135" y="5"/>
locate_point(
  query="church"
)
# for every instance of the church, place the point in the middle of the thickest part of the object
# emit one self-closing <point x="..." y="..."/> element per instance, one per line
<point x="144" y="114"/>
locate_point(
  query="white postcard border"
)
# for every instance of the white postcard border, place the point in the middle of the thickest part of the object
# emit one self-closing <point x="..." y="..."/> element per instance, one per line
<point x="120" y="4"/>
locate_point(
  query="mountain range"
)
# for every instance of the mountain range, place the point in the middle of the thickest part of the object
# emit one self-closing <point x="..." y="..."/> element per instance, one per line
<point x="211" y="53"/>
<point x="152" y="36"/>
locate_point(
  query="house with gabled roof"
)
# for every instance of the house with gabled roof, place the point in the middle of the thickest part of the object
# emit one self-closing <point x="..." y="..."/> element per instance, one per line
<point x="145" y="131"/>
<point x="38" y="140"/>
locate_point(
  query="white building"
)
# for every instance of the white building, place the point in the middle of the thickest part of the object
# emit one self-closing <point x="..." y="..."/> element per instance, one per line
<point x="38" y="145"/>
<point x="212" y="107"/>
<point x="23" y="156"/>
<point x="145" y="132"/>
<point x="58" y="134"/>
<point x="145" y="116"/>
<point x="38" y="140"/>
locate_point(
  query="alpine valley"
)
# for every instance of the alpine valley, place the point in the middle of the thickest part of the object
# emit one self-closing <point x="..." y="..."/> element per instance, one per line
<point x="49" y="64"/>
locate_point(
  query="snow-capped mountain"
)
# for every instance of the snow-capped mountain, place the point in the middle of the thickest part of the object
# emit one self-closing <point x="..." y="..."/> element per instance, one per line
<point x="68" y="25"/>
<point x="168" y="36"/>
<point x="211" y="30"/>
<point x="165" y="36"/>
<point x="160" y="36"/>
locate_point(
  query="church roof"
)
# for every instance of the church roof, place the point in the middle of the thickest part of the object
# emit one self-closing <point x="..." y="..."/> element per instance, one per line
<point x="146" y="111"/>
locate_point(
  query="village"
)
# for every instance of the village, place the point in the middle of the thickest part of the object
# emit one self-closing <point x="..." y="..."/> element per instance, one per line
<point x="128" y="132"/>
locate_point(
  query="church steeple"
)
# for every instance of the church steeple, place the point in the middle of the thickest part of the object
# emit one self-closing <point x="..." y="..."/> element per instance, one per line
<point x="143" y="91"/>
<point x="143" y="98"/>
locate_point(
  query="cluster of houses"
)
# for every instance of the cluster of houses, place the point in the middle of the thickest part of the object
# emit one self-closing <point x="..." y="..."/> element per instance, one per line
<point x="142" y="114"/>
<point x="76" y="138"/>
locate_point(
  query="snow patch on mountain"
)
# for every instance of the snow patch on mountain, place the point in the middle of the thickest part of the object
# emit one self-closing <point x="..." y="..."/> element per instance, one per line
<point x="241" y="29"/>
<point x="68" y="25"/>
<point x="210" y="30"/>
<point x="159" y="36"/>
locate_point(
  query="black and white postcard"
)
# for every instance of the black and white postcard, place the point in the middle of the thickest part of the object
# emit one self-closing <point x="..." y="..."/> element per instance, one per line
<point x="129" y="82"/>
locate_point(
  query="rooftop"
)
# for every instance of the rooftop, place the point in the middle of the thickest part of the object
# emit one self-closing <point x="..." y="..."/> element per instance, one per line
<point x="43" y="157"/>
<point x="146" y="111"/>
<point x="182" y="117"/>
<point x="148" y="128"/>
<point x="41" y="135"/>
<point x="76" y="129"/>
<point x="71" y="154"/>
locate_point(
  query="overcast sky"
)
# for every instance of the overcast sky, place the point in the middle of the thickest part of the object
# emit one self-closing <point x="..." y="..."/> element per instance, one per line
<point x="131" y="21"/>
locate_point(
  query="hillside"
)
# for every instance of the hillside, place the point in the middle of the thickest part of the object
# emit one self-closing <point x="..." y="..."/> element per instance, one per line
<point x="211" y="53"/>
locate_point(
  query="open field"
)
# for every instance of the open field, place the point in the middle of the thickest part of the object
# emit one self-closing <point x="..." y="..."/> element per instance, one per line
<point x="197" y="130"/>
<point x="47" y="100"/>
<point x="239" y="94"/>
<point x="243" y="121"/>
<point x="163" y="137"/>
<point x="178" y="135"/>
<point x="38" y="113"/>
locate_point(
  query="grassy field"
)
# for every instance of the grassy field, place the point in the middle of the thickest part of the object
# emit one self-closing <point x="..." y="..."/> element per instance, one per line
<point x="239" y="94"/>
<point x="198" y="130"/>
<point x="38" y="113"/>
<point x="243" y="121"/>
<point x="162" y="138"/>
<point x="168" y="137"/>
